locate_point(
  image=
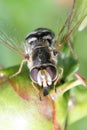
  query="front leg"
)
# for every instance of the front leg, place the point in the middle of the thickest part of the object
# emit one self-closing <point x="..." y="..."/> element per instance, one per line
<point x="59" y="77"/>
<point x="19" y="70"/>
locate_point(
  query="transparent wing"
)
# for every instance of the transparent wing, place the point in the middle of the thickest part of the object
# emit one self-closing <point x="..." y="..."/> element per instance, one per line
<point x="11" y="42"/>
<point x="76" y="15"/>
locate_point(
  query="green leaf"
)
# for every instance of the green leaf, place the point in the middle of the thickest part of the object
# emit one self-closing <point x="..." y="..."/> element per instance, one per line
<point x="79" y="108"/>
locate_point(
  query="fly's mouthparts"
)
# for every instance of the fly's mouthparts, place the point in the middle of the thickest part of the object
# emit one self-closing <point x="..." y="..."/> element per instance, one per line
<point x="43" y="78"/>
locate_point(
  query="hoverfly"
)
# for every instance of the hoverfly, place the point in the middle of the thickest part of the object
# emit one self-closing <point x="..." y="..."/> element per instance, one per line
<point x="41" y="54"/>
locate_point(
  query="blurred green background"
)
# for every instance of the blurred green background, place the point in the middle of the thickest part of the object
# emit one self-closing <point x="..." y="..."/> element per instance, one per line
<point x="20" y="17"/>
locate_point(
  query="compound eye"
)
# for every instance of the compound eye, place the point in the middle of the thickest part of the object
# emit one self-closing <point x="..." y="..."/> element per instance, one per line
<point x="50" y="69"/>
<point x="52" y="72"/>
<point x="33" y="74"/>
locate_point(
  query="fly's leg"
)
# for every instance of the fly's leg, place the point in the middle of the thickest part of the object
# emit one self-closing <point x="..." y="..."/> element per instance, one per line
<point x="20" y="68"/>
<point x="69" y="38"/>
<point x="37" y="90"/>
<point x="58" y="77"/>
<point x="68" y="20"/>
<point x="6" y="78"/>
<point x="67" y="35"/>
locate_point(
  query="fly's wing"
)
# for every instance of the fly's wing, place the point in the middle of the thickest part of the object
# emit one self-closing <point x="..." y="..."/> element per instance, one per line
<point x="10" y="41"/>
<point x="68" y="58"/>
<point x="76" y="15"/>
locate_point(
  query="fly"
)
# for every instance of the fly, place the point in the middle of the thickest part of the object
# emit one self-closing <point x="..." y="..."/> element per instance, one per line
<point x="41" y="58"/>
<point x="42" y="61"/>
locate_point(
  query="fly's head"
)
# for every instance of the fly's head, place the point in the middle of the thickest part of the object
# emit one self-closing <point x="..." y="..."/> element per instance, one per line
<point x="44" y="77"/>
